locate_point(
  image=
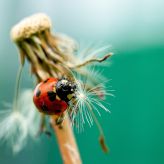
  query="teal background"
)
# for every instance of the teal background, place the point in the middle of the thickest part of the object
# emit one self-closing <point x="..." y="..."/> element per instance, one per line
<point x="135" y="29"/>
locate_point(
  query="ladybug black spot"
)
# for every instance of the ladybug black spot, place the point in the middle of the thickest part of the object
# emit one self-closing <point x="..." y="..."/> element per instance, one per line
<point x="51" y="95"/>
<point x="45" y="81"/>
<point x="38" y="92"/>
<point x="44" y="107"/>
<point x="57" y="111"/>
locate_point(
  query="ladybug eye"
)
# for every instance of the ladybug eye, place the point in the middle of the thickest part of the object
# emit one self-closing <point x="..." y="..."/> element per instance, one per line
<point x="64" y="81"/>
<point x="74" y="86"/>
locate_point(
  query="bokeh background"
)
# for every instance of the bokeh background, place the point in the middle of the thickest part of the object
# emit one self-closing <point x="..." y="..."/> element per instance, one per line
<point x="135" y="29"/>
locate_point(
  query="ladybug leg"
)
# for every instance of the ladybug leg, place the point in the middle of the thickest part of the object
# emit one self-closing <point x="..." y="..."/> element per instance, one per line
<point x="43" y="128"/>
<point x="72" y="111"/>
<point x="60" y="119"/>
<point x="58" y="122"/>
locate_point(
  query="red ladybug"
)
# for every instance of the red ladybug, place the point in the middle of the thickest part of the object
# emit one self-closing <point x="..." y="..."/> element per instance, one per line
<point x="52" y="95"/>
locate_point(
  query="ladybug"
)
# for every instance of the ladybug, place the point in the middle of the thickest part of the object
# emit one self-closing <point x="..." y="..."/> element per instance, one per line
<point x="52" y="96"/>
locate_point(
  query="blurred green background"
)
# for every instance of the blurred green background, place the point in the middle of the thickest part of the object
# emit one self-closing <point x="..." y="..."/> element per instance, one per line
<point x="135" y="29"/>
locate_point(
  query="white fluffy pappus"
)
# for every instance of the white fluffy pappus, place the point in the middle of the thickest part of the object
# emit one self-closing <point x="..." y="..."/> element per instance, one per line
<point x="19" y="122"/>
<point x="89" y="99"/>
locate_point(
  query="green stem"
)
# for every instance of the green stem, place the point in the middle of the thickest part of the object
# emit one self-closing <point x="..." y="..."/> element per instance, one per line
<point x="17" y="86"/>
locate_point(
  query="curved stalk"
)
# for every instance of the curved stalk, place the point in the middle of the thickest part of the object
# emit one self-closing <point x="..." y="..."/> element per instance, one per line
<point x="66" y="141"/>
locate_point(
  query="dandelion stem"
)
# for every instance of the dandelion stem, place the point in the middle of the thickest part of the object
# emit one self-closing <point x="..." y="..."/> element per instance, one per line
<point x="66" y="141"/>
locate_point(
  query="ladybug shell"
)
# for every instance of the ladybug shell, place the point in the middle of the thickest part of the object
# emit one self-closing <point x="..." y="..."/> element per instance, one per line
<point x="46" y="99"/>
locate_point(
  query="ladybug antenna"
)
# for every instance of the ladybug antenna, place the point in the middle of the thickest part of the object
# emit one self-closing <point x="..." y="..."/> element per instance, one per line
<point x="72" y="76"/>
<point x="17" y="86"/>
<point x="101" y="137"/>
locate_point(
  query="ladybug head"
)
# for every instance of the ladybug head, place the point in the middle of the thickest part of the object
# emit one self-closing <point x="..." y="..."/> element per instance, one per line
<point x="65" y="89"/>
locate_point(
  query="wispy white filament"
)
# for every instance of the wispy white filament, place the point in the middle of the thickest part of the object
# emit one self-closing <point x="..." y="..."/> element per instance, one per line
<point x="16" y="125"/>
<point x="88" y="101"/>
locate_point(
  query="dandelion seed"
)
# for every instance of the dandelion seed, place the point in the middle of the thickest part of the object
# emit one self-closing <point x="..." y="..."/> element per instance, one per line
<point x="17" y="124"/>
<point x="13" y="130"/>
<point x="88" y="100"/>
